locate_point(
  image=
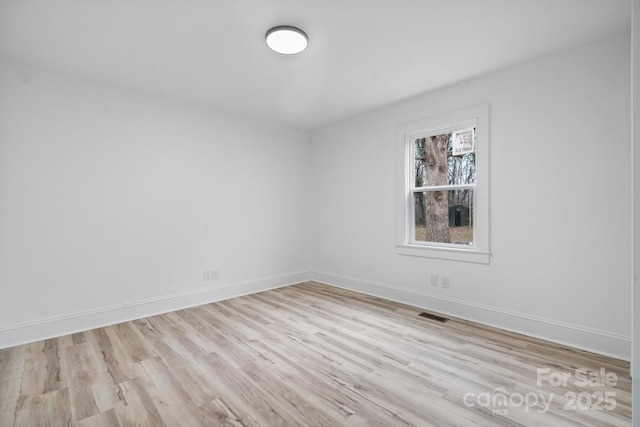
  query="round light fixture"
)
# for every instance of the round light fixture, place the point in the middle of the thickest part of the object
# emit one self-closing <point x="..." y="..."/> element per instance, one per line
<point x="286" y="39"/>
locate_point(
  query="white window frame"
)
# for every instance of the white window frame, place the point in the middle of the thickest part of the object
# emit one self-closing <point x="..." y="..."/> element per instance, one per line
<point x="479" y="251"/>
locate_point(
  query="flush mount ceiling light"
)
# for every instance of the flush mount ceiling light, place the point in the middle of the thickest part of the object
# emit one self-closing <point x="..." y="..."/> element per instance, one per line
<point x="287" y="40"/>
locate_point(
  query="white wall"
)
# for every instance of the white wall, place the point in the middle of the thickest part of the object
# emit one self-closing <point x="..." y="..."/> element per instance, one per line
<point x="112" y="203"/>
<point x="560" y="208"/>
<point x="635" y="142"/>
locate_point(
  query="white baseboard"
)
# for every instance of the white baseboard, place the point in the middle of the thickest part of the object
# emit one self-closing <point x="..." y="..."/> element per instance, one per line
<point x="597" y="341"/>
<point x="22" y="333"/>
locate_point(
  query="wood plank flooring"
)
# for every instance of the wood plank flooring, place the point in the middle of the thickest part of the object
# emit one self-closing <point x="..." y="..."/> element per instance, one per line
<point x="307" y="355"/>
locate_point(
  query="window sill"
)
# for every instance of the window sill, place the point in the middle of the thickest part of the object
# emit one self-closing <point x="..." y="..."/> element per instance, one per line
<point x="451" y="254"/>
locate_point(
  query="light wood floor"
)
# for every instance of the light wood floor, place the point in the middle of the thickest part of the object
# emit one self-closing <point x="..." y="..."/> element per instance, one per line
<point x="306" y="355"/>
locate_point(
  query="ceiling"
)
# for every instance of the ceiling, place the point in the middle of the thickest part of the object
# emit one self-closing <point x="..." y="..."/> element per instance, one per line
<point x="362" y="54"/>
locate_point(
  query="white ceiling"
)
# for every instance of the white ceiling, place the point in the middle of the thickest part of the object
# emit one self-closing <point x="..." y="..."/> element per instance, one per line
<point x="362" y="53"/>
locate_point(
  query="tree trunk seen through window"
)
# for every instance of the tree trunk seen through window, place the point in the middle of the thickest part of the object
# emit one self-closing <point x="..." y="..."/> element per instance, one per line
<point x="437" y="203"/>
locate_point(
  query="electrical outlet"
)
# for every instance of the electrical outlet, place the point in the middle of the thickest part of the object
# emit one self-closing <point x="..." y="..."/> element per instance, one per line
<point x="444" y="282"/>
<point x="215" y="274"/>
<point x="206" y="275"/>
<point x="434" y="280"/>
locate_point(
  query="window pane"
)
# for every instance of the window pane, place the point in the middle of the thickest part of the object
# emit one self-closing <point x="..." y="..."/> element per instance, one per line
<point x="461" y="169"/>
<point x="419" y="165"/>
<point x="444" y="216"/>
<point x="445" y="159"/>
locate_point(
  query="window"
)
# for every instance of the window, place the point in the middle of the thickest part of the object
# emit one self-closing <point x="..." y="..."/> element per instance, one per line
<point x="444" y="186"/>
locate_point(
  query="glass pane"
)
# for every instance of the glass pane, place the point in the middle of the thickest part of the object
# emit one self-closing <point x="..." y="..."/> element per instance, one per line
<point x="444" y="216"/>
<point x="445" y="159"/>
<point x="419" y="164"/>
